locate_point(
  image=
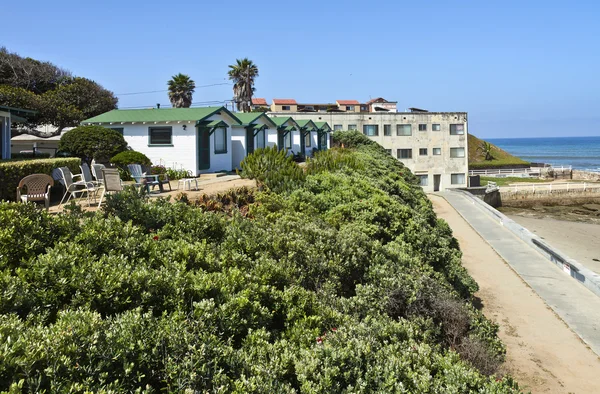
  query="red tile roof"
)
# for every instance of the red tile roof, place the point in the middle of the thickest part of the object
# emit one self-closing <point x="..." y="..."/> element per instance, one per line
<point x="348" y="102"/>
<point x="284" y="101"/>
<point x="380" y="99"/>
<point x="259" y="101"/>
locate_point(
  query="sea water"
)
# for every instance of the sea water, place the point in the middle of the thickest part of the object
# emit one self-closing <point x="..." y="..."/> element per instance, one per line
<point x="581" y="153"/>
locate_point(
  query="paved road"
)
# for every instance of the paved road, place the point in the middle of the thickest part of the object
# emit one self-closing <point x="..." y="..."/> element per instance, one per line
<point x="576" y="305"/>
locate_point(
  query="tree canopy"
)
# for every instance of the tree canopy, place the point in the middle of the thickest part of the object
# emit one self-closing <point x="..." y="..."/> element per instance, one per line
<point x="181" y="88"/>
<point x="58" y="97"/>
<point x="243" y="74"/>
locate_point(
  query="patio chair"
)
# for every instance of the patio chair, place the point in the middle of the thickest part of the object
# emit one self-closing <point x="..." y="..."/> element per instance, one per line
<point x="72" y="188"/>
<point x="87" y="175"/>
<point x="112" y="182"/>
<point x="97" y="172"/>
<point x="38" y="188"/>
<point x="153" y="180"/>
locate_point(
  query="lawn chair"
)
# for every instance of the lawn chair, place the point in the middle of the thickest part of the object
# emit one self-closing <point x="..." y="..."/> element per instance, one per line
<point x="97" y="172"/>
<point x="87" y="175"/>
<point x="72" y="188"/>
<point x="153" y="180"/>
<point x="38" y="188"/>
<point x="112" y="182"/>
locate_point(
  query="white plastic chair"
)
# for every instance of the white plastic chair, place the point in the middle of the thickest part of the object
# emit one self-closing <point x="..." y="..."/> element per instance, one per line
<point x="112" y="182"/>
<point x="72" y="188"/>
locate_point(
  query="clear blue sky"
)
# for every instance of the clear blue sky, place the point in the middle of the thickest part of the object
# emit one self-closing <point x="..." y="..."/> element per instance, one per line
<point x="520" y="68"/>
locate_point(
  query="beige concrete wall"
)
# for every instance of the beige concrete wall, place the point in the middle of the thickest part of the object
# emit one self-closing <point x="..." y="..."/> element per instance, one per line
<point x="442" y="165"/>
<point x="279" y="108"/>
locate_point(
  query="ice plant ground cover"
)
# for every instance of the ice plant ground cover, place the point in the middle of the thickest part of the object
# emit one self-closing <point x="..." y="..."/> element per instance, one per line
<point x="338" y="279"/>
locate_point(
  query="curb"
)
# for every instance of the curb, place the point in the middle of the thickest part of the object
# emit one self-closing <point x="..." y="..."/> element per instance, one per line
<point x="571" y="267"/>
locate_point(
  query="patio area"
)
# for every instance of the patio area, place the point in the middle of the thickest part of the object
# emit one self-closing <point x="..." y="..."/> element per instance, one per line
<point x="209" y="186"/>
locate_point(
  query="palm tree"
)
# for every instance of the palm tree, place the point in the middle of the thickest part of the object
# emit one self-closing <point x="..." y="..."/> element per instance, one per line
<point x="181" y="88"/>
<point x="486" y="148"/>
<point x="242" y="74"/>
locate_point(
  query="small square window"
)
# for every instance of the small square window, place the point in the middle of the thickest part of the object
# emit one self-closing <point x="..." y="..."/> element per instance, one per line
<point x="422" y="127"/>
<point x="349" y="107"/>
<point x="424" y="180"/>
<point x="437" y="151"/>
<point x="387" y="129"/>
<point x="160" y="135"/>
<point x="352" y="127"/>
<point x="338" y="127"/>
<point x="457" y="179"/>
<point x="220" y="140"/>
<point x="457" y="129"/>
<point x="457" y="152"/>
<point x="285" y="107"/>
<point x="404" y="153"/>
<point x="422" y="151"/>
<point x="403" y="129"/>
<point x="436" y="127"/>
<point x="371" y="130"/>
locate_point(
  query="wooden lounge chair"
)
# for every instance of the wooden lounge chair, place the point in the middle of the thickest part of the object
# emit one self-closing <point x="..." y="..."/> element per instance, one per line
<point x="38" y="188"/>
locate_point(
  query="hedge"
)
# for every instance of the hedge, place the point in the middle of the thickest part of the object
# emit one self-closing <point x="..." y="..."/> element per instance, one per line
<point x="11" y="172"/>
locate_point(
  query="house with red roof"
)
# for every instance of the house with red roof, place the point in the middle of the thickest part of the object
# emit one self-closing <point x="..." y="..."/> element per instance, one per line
<point x="284" y="105"/>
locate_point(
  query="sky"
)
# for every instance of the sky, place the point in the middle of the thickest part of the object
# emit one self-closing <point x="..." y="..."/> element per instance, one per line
<point x="519" y="68"/>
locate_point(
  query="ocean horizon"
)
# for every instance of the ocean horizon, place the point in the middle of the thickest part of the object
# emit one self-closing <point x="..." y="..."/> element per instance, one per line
<point x="582" y="153"/>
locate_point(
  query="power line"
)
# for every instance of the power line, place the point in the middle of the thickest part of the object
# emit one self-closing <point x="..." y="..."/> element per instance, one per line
<point x="196" y="103"/>
<point x="166" y="90"/>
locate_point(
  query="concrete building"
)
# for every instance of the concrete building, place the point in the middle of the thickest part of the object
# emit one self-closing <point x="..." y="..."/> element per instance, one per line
<point x="433" y="145"/>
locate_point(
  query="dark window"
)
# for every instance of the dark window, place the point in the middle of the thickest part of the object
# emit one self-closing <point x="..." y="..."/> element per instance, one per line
<point x="307" y="140"/>
<point x="423" y="180"/>
<point x="457" y="152"/>
<point x="422" y="127"/>
<point x="435" y="127"/>
<point x="371" y="130"/>
<point x="119" y="129"/>
<point x="160" y="135"/>
<point x="337" y="127"/>
<point x="437" y="151"/>
<point x="288" y="140"/>
<point x="457" y="179"/>
<point x="220" y="140"/>
<point x="404" y="153"/>
<point x="422" y="151"/>
<point x="285" y="108"/>
<point x="387" y="129"/>
<point x="403" y="129"/>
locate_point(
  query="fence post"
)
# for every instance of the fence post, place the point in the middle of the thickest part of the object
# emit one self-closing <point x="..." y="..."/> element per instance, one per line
<point x="533" y="187"/>
<point x="568" y="186"/>
<point x="550" y="188"/>
<point x="584" y="186"/>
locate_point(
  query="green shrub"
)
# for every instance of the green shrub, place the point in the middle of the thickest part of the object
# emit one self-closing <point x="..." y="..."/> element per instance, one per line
<point x="130" y="157"/>
<point x="11" y="172"/>
<point x="92" y="142"/>
<point x="272" y="169"/>
<point x="29" y="156"/>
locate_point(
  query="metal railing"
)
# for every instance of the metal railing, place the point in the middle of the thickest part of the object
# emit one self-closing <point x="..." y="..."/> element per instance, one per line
<point x="532" y="171"/>
<point x="550" y="187"/>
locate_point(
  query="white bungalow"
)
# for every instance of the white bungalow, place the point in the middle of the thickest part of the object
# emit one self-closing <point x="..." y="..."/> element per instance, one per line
<point x="323" y="132"/>
<point x="196" y="139"/>
<point x="7" y="116"/>
<point x="251" y="134"/>
<point x="307" y="136"/>
<point x="288" y="134"/>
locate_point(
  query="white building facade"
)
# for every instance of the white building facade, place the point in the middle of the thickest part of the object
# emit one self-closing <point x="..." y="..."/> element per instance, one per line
<point x="433" y="145"/>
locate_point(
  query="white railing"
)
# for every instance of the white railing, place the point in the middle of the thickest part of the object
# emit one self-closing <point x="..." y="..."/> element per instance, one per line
<point x="550" y="187"/>
<point x="519" y="172"/>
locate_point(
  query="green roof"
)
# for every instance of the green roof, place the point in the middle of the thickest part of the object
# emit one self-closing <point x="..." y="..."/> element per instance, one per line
<point x="158" y="115"/>
<point x="247" y="118"/>
<point x="305" y="123"/>
<point x="322" y="125"/>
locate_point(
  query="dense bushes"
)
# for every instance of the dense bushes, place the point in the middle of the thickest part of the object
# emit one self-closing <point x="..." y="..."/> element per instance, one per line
<point x="11" y="172"/>
<point x="345" y="282"/>
<point x="92" y="142"/>
<point x="273" y="169"/>
<point x="130" y="157"/>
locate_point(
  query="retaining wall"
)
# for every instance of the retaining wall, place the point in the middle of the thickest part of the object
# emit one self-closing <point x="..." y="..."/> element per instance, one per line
<point x="528" y="198"/>
<point x="577" y="271"/>
<point x="586" y="176"/>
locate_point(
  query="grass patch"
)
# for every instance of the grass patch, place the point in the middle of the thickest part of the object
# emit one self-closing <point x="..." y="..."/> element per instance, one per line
<point x="501" y="157"/>
<point x="508" y="180"/>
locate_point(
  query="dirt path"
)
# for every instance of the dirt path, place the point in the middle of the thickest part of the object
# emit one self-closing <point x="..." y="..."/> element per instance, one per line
<point x="543" y="354"/>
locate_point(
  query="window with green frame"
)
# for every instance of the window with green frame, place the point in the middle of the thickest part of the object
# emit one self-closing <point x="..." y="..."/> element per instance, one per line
<point x="160" y="135"/>
<point x="260" y="139"/>
<point x="287" y="140"/>
<point x="308" y="140"/>
<point x="220" y="140"/>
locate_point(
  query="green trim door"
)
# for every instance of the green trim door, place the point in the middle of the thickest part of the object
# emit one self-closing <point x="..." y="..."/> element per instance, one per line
<point x="280" y="139"/>
<point x="303" y="143"/>
<point x="249" y="140"/>
<point x="203" y="151"/>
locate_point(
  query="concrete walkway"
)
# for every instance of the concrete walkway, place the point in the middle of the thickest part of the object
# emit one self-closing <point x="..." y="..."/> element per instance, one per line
<point x="576" y="305"/>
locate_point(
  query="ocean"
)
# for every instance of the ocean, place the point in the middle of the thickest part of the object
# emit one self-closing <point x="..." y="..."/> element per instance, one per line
<point x="581" y="153"/>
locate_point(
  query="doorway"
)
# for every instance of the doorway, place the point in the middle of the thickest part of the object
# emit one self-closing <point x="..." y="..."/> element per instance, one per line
<point x="437" y="180"/>
<point x="203" y="139"/>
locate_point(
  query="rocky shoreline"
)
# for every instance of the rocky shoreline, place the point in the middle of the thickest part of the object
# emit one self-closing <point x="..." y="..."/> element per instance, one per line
<point x="586" y="213"/>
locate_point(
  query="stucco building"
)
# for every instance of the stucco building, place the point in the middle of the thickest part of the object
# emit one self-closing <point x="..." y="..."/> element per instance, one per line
<point x="433" y="145"/>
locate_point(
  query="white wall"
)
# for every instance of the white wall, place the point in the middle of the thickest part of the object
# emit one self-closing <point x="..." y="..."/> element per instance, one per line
<point x="295" y="141"/>
<point x="183" y="152"/>
<point x="238" y="145"/>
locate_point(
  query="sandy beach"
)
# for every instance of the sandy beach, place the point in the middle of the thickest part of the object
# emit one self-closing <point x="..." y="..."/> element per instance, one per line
<point x="578" y="240"/>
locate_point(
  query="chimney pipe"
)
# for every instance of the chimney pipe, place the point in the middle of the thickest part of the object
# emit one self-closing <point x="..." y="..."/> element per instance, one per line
<point x="157" y="106"/>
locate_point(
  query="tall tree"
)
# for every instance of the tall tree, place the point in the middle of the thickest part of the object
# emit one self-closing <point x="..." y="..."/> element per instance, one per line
<point x="243" y="74"/>
<point x="181" y="88"/>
